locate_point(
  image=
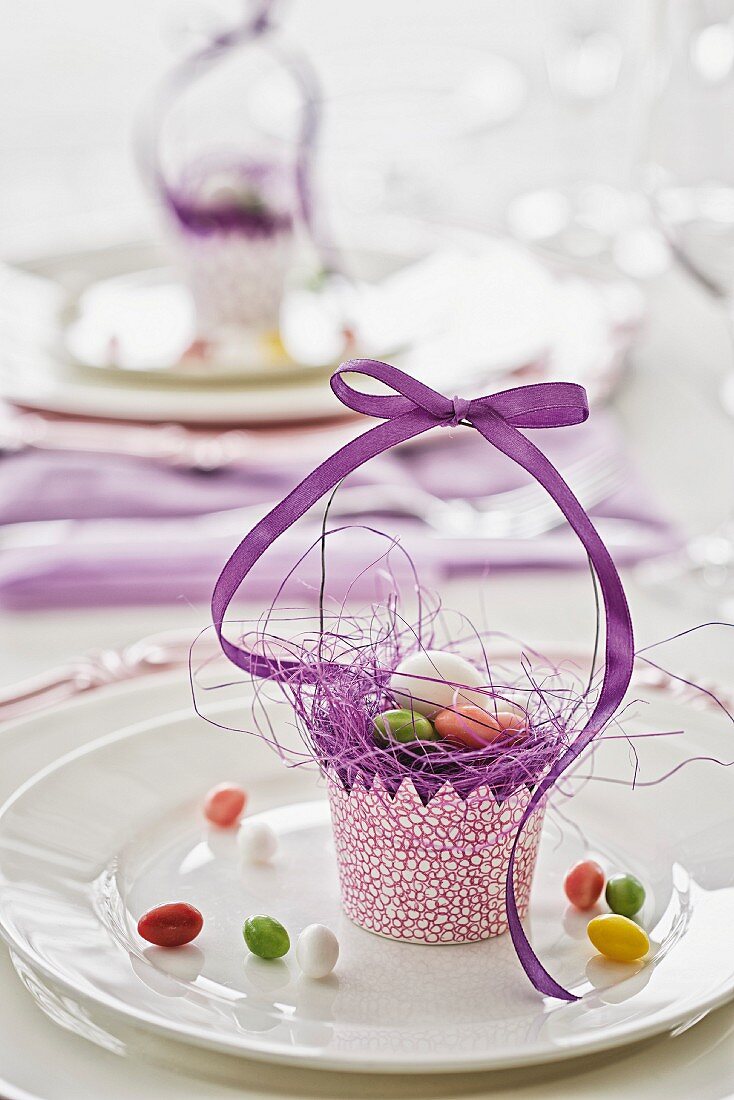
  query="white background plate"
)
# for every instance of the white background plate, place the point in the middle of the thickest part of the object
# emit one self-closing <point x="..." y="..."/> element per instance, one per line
<point x="145" y="785"/>
<point x="570" y="328"/>
<point x="676" y="1066"/>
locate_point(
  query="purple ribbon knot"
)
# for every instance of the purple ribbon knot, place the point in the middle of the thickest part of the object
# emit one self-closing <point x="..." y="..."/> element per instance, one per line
<point x="461" y="408"/>
<point x="543" y="405"/>
<point x="409" y="410"/>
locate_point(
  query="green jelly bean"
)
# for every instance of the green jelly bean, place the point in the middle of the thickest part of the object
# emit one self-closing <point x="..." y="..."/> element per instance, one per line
<point x="403" y="726"/>
<point x="266" y="937"/>
<point x="625" y="895"/>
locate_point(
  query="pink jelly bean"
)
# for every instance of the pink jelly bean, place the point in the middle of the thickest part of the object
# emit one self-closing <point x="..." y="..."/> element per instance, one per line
<point x="471" y="726"/>
<point x="224" y="805"/>
<point x="584" y="883"/>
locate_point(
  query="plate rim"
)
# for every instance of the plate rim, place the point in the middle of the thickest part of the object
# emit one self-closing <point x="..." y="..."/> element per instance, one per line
<point x="664" y="1022"/>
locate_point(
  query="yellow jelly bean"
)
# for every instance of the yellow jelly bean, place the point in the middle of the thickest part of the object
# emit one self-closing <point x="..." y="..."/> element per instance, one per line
<point x="618" y="938"/>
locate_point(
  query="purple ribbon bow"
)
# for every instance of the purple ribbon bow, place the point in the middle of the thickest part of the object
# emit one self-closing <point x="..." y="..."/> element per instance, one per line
<point x="414" y="408"/>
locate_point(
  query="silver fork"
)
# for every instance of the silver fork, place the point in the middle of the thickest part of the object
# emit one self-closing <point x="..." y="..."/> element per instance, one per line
<point x="517" y="513"/>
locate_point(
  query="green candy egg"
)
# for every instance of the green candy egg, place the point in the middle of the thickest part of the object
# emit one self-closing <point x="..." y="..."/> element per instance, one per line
<point x="403" y="726"/>
<point x="625" y="895"/>
<point x="266" y="937"/>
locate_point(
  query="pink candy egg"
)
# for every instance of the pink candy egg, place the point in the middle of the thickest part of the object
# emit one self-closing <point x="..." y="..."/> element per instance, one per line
<point x="510" y="722"/>
<point x="584" y="883"/>
<point x="224" y="805"/>
<point x="471" y="726"/>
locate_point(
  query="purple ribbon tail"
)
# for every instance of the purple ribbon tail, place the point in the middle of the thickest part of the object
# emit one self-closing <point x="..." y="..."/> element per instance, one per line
<point x="413" y="408"/>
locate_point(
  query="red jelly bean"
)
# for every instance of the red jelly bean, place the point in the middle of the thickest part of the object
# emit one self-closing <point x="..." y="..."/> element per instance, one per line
<point x="224" y="805"/>
<point x="584" y="883"/>
<point x="474" y="727"/>
<point x="171" y="925"/>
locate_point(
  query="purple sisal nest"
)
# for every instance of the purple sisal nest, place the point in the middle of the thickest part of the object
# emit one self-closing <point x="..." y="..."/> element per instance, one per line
<point x="334" y="671"/>
<point x="342" y="682"/>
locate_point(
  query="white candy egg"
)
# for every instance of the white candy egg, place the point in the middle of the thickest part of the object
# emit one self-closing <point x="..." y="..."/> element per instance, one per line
<point x="435" y="664"/>
<point x="256" y="841"/>
<point x="317" y="950"/>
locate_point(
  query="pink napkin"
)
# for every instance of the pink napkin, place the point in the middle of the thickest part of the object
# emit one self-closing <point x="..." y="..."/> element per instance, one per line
<point x="149" y="561"/>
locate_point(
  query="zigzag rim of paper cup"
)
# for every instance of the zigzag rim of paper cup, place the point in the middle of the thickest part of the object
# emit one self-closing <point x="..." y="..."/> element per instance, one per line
<point x="432" y="873"/>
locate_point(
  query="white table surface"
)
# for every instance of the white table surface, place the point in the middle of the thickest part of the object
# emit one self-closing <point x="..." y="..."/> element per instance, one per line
<point x="686" y="446"/>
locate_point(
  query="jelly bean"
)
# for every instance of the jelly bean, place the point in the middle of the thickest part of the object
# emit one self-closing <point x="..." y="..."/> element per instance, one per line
<point x="223" y="805"/>
<point x="403" y="726"/>
<point x="584" y="883"/>
<point x="171" y="925"/>
<point x="618" y="938"/>
<point x="256" y="841"/>
<point x="317" y="951"/>
<point x="474" y="727"/>
<point x="625" y="895"/>
<point x="428" y="681"/>
<point x="266" y="937"/>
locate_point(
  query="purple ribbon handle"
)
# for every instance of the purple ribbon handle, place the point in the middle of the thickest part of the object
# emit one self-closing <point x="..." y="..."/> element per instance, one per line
<point x="411" y="409"/>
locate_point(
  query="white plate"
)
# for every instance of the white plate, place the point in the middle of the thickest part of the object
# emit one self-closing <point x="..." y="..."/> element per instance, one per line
<point x="140" y="327"/>
<point x="390" y="1006"/>
<point x="34" y="380"/>
<point x="72" y="1068"/>
<point x="692" y="1061"/>
<point x="510" y="319"/>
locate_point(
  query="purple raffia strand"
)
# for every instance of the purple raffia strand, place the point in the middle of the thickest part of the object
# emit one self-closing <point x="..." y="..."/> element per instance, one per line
<point x="642" y="736"/>
<point x="706" y="692"/>
<point x="684" y="634"/>
<point x="666" y="775"/>
<point x="411" y="409"/>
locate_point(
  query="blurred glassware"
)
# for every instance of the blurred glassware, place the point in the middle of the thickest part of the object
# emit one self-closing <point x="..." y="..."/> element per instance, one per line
<point x="403" y="143"/>
<point x="584" y="203"/>
<point x="690" y="183"/>
<point x="522" y="115"/>
<point x="690" y="174"/>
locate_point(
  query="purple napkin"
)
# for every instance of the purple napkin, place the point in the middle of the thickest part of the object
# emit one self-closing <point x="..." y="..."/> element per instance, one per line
<point x="150" y="561"/>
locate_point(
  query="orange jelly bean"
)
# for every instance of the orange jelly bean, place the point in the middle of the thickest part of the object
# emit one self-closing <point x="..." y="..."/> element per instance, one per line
<point x="471" y="726"/>
<point x="224" y="805"/>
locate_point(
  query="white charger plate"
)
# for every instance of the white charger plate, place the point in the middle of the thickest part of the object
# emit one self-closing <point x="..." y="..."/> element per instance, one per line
<point x="78" y="942"/>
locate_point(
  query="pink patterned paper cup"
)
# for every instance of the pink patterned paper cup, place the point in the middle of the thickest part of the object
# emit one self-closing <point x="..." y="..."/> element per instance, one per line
<point x="435" y="873"/>
<point x="237" y="279"/>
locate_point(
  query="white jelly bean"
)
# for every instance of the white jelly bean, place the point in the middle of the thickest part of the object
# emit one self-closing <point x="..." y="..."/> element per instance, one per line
<point x="256" y="841"/>
<point x="426" y="681"/>
<point x="317" y="951"/>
